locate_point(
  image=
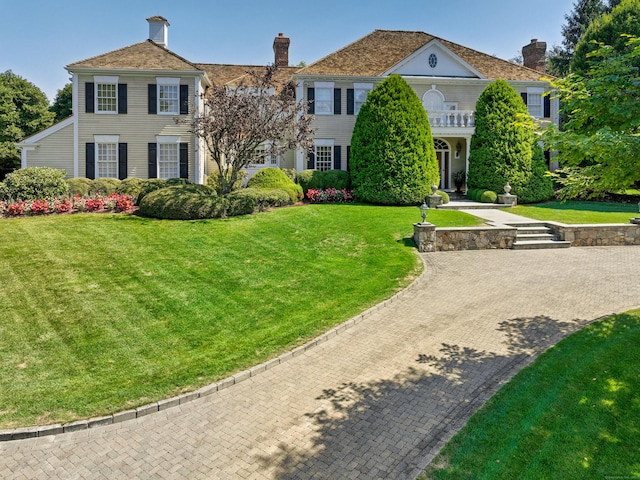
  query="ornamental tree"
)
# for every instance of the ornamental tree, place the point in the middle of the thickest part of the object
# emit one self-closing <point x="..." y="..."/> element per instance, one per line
<point x="599" y="145"/>
<point x="609" y="29"/>
<point x="238" y="119"/>
<point x="63" y="103"/>
<point x="24" y="110"/>
<point x="501" y="149"/>
<point x="393" y="160"/>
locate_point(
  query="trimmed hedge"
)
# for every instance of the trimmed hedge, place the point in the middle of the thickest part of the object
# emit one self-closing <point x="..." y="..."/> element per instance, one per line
<point x="79" y="186"/>
<point x="264" y="197"/>
<point x="183" y="202"/>
<point x="104" y="186"/>
<point x="36" y="183"/>
<point x="130" y="186"/>
<point x="149" y="186"/>
<point x="275" y="178"/>
<point x="321" y="180"/>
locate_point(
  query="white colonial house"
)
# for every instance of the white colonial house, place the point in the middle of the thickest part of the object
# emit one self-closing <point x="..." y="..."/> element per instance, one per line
<point x="126" y="102"/>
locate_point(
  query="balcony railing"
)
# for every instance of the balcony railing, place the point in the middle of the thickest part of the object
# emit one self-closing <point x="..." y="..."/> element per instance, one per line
<point x="451" y="118"/>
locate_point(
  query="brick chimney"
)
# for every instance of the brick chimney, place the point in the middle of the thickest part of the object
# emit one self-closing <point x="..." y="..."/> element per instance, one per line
<point x="534" y="55"/>
<point x="159" y="30"/>
<point x="281" y="50"/>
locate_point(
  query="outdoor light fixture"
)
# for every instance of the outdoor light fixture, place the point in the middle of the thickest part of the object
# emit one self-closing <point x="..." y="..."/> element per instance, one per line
<point x="458" y="149"/>
<point x="424" y="211"/>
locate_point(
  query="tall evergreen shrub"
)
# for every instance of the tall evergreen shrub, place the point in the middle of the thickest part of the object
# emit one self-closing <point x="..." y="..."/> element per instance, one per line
<point x="393" y="160"/>
<point x="502" y="147"/>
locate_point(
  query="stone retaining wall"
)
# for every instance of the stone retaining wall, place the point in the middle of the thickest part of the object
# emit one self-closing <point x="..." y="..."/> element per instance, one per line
<point x="428" y="238"/>
<point x="597" y="235"/>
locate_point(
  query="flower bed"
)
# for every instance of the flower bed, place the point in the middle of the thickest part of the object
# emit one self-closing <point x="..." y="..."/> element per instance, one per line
<point x="112" y="203"/>
<point x="330" y="195"/>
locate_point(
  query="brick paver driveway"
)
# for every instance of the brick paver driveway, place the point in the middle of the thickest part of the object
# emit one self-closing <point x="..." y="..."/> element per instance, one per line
<point x="376" y="401"/>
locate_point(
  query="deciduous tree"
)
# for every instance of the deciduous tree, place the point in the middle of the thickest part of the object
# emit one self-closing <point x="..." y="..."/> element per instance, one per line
<point x="24" y="110"/>
<point x="238" y="119"/>
<point x="599" y="146"/>
<point x="63" y="103"/>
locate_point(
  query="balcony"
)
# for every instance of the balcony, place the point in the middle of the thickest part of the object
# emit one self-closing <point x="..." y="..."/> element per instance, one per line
<point x="451" y="118"/>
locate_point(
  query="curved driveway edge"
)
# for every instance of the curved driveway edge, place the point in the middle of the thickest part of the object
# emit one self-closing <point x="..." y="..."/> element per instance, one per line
<point x="378" y="400"/>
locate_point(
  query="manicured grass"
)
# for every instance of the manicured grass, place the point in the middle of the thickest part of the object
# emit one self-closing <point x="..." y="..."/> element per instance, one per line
<point x="99" y="313"/>
<point x="574" y="413"/>
<point x="579" y="212"/>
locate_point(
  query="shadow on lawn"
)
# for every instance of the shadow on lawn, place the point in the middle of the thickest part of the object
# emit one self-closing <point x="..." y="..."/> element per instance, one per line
<point x="392" y="428"/>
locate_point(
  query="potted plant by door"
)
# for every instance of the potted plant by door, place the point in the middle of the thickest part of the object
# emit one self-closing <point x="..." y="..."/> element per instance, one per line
<point x="458" y="180"/>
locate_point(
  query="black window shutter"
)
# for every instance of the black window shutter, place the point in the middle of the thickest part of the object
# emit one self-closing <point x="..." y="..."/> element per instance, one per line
<point x="89" y="97"/>
<point x="184" y="160"/>
<point x="337" y="157"/>
<point x="122" y="98"/>
<point x="311" y="160"/>
<point x="90" y="153"/>
<point x="153" y="99"/>
<point x="184" y="99"/>
<point x="524" y="97"/>
<point x="547" y="106"/>
<point x="351" y="103"/>
<point x="337" y="101"/>
<point x="311" y="99"/>
<point x="153" y="160"/>
<point x="122" y="161"/>
<point x="348" y="158"/>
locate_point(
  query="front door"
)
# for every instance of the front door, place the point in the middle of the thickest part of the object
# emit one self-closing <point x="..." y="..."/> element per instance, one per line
<point x="445" y="165"/>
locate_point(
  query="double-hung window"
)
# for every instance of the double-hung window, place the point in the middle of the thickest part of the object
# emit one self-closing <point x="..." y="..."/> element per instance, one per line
<point x="106" y="94"/>
<point x="535" y="102"/>
<point x="323" y="154"/>
<point x="168" y="95"/>
<point x="324" y="98"/>
<point x="360" y="92"/>
<point x="168" y="160"/>
<point x="106" y="156"/>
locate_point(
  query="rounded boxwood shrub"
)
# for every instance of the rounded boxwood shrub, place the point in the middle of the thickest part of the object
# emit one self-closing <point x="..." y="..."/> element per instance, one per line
<point x="130" y="186"/>
<point x="240" y="204"/>
<point x="321" y="180"/>
<point x="149" y="186"/>
<point x="444" y="195"/>
<point x="79" y="186"/>
<point x="264" y="197"/>
<point x="36" y="183"/>
<point x="488" y="196"/>
<point x="104" y="186"/>
<point x="183" y="202"/>
<point x="172" y="182"/>
<point x="3" y="191"/>
<point x="276" y="178"/>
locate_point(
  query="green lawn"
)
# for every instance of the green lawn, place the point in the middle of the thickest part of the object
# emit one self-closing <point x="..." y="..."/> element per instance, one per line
<point x="100" y="313"/>
<point x="579" y="212"/>
<point x="574" y="413"/>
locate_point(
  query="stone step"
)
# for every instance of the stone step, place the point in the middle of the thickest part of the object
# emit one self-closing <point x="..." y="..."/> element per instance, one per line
<point x="534" y="236"/>
<point x="539" y="244"/>
<point x="536" y="230"/>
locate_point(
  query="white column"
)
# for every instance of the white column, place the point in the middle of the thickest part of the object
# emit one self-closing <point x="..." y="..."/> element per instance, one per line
<point x="75" y="102"/>
<point x="467" y="141"/>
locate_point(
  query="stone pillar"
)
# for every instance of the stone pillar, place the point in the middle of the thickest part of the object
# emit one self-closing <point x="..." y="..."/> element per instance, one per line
<point x="424" y="235"/>
<point x="508" y="199"/>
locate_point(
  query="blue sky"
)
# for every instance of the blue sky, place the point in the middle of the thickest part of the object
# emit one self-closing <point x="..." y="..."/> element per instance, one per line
<point x="38" y="38"/>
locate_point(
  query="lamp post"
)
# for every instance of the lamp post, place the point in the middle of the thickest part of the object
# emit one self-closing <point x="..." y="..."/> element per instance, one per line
<point x="424" y="211"/>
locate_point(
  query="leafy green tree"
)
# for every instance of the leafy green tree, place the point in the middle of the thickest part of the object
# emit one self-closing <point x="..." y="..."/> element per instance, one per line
<point x="608" y="29"/>
<point x="393" y="160"/>
<point x="502" y="147"/>
<point x="599" y="145"/>
<point x="24" y="110"/>
<point x="63" y="103"/>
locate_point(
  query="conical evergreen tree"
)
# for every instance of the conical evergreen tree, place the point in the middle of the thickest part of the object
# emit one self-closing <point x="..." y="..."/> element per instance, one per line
<point x="393" y="160"/>
<point x="502" y="147"/>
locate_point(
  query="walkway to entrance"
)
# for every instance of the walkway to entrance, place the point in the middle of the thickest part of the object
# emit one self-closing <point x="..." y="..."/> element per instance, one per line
<point x="380" y="398"/>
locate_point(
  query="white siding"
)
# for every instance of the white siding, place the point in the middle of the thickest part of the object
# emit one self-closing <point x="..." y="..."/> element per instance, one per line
<point x="55" y="151"/>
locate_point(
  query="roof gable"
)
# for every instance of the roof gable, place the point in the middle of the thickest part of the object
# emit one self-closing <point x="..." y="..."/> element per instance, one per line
<point x="146" y="55"/>
<point x="379" y="52"/>
<point x="434" y="60"/>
